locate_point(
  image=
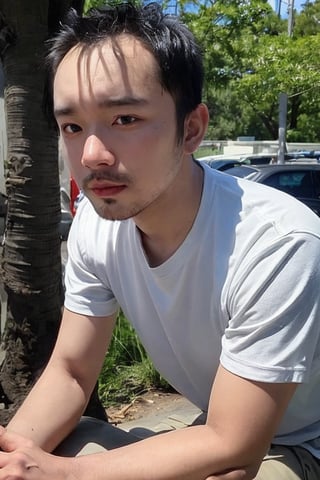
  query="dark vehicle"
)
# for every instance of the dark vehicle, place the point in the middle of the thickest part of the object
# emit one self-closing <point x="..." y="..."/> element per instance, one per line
<point x="259" y="159"/>
<point x="222" y="164"/>
<point x="272" y="158"/>
<point x="301" y="154"/>
<point x="299" y="180"/>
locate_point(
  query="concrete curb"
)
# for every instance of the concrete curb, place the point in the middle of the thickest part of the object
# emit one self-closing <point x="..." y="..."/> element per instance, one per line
<point x="180" y="414"/>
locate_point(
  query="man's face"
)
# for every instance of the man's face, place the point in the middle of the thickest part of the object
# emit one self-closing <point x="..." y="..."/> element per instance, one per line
<point x="118" y="126"/>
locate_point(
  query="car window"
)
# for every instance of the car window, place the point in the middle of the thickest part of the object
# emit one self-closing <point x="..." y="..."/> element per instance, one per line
<point x="296" y="183"/>
<point x="241" y="171"/>
<point x="258" y="160"/>
<point x="316" y="178"/>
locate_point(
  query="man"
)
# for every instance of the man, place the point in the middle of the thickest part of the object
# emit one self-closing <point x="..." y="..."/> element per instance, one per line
<point x="219" y="276"/>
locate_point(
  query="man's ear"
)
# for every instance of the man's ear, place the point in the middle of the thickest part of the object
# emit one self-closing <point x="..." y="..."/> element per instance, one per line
<point x="195" y="127"/>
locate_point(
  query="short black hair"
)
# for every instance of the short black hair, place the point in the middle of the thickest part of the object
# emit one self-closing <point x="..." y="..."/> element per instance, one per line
<point x="172" y="44"/>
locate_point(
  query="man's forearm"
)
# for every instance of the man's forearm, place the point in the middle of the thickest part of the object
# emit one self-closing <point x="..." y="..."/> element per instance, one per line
<point x="193" y="453"/>
<point x="50" y="412"/>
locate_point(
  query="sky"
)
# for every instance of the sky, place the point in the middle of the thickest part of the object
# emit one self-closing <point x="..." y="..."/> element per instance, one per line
<point x="172" y="6"/>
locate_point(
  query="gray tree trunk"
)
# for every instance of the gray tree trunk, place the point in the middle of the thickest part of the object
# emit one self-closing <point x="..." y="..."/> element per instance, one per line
<point x="31" y="262"/>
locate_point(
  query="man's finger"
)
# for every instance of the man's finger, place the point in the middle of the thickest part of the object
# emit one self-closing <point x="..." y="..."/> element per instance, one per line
<point x="10" y="441"/>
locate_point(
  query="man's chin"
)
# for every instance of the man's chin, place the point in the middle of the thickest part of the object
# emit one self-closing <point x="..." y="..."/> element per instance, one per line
<point x="108" y="213"/>
<point x="109" y="209"/>
<point x="105" y="208"/>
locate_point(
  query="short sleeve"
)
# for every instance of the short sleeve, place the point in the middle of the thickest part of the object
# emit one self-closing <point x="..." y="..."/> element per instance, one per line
<point x="87" y="290"/>
<point x="274" y="310"/>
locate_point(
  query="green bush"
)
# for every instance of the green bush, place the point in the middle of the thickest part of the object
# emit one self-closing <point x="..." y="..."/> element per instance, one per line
<point x="206" y="151"/>
<point x="127" y="370"/>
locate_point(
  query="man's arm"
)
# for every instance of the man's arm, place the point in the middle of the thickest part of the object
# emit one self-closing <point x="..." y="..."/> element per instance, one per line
<point x="242" y="419"/>
<point x="56" y="402"/>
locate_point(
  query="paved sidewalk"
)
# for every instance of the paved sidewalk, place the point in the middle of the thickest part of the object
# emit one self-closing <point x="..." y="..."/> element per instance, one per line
<point x="181" y="413"/>
<point x="92" y="435"/>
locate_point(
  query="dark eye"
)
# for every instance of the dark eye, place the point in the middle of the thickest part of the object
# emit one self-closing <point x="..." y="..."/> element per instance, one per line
<point x="71" y="128"/>
<point x="125" y="120"/>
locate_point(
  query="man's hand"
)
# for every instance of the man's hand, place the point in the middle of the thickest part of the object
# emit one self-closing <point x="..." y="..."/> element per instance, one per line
<point x="20" y="459"/>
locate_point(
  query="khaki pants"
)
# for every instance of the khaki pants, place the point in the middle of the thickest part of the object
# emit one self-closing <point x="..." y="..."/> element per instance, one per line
<point x="92" y="436"/>
<point x="289" y="463"/>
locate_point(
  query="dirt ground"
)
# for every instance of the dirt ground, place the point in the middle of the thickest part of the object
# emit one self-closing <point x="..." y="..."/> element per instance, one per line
<point x="142" y="406"/>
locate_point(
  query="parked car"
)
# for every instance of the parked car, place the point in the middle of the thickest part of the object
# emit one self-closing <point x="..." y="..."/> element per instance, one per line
<point x="220" y="164"/>
<point x="304" y="154"/>
<point x="262" y="158"/>
<point x="259" y="158"/>
<point x="272" y="158"/>
<point x="301" y="180"/>
<point x="248" y="159"/>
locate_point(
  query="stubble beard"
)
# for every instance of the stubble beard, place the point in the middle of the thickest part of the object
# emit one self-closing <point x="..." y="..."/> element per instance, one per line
<point x="109" y="209"/>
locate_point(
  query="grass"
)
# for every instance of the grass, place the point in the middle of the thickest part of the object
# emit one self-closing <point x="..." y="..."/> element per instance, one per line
<point x="127" y="370"/>
<point x="205" y="151"/>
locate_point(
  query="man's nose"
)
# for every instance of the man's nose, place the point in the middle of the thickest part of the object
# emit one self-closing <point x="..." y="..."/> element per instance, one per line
<point x="96" y="153"/>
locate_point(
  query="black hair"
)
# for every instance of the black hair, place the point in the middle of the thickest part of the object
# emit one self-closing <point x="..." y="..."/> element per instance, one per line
<point x="172" y="44"/>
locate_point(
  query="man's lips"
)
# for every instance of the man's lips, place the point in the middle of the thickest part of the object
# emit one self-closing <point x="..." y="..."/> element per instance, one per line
<point x="105" y="189"/>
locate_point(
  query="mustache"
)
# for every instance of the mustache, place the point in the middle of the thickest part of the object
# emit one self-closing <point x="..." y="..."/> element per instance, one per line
<point x="107" y="176"/>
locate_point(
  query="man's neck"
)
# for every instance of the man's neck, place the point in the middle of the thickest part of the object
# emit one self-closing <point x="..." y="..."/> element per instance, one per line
<point x="165" y="227"/>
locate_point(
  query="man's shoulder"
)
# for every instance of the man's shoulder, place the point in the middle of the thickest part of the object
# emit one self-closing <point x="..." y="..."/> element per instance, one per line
<point x="247" y="206"/>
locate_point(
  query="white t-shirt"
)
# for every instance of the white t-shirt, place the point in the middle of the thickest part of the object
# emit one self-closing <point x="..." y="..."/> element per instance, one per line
<point x="242" y="289"/>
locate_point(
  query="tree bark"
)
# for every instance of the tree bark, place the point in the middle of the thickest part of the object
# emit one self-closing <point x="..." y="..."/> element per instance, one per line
<point x="31" y="260"/>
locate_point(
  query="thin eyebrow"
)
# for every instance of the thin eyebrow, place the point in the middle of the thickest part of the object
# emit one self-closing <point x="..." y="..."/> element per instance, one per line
<point x="122" y="101"/>
<point x="107" y="103"/>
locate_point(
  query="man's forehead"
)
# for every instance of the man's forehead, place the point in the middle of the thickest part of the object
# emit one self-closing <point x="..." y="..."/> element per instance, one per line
<point x="122" y="48"/>
<point x="119" y="71"/>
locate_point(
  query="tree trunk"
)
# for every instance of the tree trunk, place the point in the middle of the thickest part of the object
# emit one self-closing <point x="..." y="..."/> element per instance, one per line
<point x="295" y="103"/>
<point x="31" y="260"/>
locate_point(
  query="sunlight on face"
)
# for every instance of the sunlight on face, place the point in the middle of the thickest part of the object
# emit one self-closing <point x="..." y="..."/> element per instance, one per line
<point x="118" y="126"/>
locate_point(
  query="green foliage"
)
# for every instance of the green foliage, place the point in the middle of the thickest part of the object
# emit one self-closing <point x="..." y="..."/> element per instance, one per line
<point x="307" y="22"/>
<point x="206" y="151"/>
<point x="250" y="59"/>
<point x="93" y="4"/>
<point x="127" y="369"/>
<point x="99" y="3"/>
<point x="223" y="27"/>
<point x="282" y="64"/>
